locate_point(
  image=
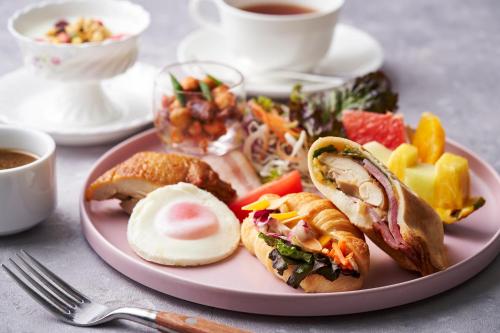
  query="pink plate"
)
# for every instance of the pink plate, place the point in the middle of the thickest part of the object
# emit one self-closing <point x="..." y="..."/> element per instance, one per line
<point x="241" y="282"/>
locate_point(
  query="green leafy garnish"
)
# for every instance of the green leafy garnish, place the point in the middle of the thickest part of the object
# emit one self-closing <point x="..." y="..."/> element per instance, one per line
<point x="279" y="263"/>
<point x="271" y="241"/>
<point x="285" y="254"/>
<point x="320" y="114"/>
<point x="325" y="149"/>
<point x="293" y="252"/>
<point x="299" y="273"/>
<point x="205" y="91"/>
<point x="217" y="81"/>
<point x="178" y="91"/>
<point x="371" y="92"/>
<point x="353" y="152"/>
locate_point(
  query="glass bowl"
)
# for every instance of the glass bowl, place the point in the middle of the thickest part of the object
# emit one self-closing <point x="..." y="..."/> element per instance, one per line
<point x="198" y="107"/>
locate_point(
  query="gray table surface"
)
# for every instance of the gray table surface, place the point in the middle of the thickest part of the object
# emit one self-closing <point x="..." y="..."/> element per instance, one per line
<point x="442" y="56"/>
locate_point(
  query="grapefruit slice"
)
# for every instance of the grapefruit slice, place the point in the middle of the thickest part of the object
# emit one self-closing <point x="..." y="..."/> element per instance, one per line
<point x="363" y="127"/>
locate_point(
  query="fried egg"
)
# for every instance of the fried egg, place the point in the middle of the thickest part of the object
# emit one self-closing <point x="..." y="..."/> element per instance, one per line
<point x="182" y="225"/>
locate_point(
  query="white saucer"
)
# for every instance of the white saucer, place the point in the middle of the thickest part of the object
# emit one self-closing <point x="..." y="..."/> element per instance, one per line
<point x="353" y="53"/>
<point x="133" y="90"/>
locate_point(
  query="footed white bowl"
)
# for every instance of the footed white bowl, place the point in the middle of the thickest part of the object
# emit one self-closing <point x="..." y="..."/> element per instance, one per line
<point x="79" y="100"/>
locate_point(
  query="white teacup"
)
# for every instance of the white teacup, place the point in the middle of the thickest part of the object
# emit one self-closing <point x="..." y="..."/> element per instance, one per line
<point x="267" y="42"/>
<point x="27" y="192"/>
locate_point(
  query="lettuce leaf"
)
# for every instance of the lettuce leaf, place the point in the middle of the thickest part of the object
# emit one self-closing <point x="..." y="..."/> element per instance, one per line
<point x="285" y="254"/>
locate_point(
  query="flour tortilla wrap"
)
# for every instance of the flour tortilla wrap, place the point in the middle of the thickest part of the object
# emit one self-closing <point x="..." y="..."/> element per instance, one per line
<point x="405" y="226"/>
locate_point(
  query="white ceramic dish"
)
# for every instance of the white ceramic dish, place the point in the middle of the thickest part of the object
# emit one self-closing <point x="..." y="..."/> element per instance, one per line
<point x="28" y="192"/>
<point x="22" y="99"/>
<point x="79" y="100"/>
<point x="353" y="53"/>
<point x="269" y="42"/>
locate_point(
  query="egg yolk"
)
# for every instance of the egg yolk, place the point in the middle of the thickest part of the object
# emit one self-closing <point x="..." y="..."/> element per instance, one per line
<point x="187" y="220"/>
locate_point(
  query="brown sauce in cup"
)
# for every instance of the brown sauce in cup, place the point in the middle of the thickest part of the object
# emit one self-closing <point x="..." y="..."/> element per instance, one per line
<point x="11" y="158"/>
<point x="277" y="9"/>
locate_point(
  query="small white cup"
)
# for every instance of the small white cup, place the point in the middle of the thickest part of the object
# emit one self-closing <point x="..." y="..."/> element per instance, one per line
<point x="263" y="42"/>
<point x="28" y="192"/>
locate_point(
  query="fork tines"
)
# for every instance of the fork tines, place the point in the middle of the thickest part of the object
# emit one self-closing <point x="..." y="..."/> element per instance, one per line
<point x="44" y="286"/>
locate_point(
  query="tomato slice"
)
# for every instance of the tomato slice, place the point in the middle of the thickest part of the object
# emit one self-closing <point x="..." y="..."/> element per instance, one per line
<point x="289" y="183"/>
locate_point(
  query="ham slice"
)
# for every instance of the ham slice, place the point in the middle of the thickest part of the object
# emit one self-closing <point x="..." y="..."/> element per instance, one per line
<point x="395" y="240"/>
<point x="389" y="229"/>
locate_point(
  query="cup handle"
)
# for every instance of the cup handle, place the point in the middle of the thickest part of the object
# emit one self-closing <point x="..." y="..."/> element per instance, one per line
<point x="194" y="10"/>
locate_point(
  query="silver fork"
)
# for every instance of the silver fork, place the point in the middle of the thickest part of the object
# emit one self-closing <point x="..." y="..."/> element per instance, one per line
<point x="74" y="308"/>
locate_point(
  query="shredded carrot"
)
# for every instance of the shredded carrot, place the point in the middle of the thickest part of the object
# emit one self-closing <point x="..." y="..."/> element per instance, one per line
<point x="343" y="247"/>
<point x="337" y="255"/>
<point x="275" y="122"/>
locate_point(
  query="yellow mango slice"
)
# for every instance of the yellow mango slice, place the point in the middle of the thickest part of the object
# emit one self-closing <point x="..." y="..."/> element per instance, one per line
<point x="429" y="138"/>
<point x="379" y="151"/>
<point x="421" y="179"/>
<point x="401" y="158"/>
<point x="452" y="182"/>
<point x="257" y="205"/>
<point x="284" y="216"/>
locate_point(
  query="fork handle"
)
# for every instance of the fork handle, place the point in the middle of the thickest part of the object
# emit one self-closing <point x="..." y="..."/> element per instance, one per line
<point x="186" y="324"/>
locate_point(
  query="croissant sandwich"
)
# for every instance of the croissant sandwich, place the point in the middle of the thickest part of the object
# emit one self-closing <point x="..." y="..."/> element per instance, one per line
<point x="305" y="241"/>
<point x="388" y="212"/>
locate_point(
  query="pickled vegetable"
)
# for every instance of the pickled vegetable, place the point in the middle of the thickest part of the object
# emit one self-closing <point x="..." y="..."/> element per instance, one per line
<point x="401" y="158"/>
<point x="429" y="138"/>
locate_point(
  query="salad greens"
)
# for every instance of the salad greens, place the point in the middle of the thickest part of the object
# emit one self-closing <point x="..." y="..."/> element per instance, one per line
<point x="280" y="134"/>
<point x="305" y="263"/>
<point x="320" y="114"/>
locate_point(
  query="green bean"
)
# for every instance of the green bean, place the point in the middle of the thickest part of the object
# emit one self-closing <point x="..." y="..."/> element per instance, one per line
<point x="178" y="91"/>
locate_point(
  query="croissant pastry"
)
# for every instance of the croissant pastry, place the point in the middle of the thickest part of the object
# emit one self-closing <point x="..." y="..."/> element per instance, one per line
<point x="305" y="241"/>
<point x="394" y="218"/>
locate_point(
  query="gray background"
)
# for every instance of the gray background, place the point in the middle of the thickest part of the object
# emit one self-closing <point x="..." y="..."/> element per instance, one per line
<point x="443" y="56"/>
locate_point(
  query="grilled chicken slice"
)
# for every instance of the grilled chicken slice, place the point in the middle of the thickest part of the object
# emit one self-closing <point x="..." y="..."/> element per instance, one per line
<point x="144" y="172"/>
<point x="353" y="179"/>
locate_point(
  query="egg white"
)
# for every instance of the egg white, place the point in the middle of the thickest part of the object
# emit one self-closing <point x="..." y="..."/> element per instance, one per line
<point x="152" y="245"/>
